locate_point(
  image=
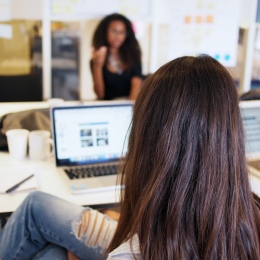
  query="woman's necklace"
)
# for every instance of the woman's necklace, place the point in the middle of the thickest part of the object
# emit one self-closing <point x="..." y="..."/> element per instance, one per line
<point x="116" y="64"/>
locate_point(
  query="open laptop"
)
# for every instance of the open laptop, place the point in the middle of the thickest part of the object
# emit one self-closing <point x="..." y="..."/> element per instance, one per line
<point x="250" y="111"/>
<point x="89" y="140"/>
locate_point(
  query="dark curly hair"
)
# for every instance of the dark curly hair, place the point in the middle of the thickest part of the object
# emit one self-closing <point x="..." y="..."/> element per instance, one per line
<point x="130" y="51"/>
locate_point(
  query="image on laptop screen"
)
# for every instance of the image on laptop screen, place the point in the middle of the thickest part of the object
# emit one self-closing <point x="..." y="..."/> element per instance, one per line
<point x="90" y="134"/>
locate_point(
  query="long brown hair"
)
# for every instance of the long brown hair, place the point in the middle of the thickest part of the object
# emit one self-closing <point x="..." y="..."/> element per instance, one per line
<point x="187" y="194"/>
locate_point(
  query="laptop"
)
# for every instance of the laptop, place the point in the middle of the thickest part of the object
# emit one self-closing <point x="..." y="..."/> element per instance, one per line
<point x="89" y="141"/>
<point x="250" y="112"/>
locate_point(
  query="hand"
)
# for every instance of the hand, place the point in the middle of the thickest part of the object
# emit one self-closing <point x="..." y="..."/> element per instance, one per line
<point x="99" y="56"/>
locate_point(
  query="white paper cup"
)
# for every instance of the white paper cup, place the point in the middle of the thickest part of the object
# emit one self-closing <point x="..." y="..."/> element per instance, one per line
<point x="17" y="143"/>
<point x="39" y="145"/>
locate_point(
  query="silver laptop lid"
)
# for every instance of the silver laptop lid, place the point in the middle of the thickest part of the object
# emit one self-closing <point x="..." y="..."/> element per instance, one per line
<point x="90" y="134"/>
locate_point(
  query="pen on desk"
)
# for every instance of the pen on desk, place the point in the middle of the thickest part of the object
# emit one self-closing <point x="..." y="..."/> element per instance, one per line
<point x="18" y="184"/>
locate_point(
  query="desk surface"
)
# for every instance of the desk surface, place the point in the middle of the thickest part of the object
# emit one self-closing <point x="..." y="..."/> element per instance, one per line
<point x="49" y="179"/>
<point x="50" y="182"/>
<point x="10" y="107"/>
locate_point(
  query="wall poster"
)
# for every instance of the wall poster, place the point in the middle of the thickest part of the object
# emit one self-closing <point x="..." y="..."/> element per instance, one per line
<point x="203" y="26"/>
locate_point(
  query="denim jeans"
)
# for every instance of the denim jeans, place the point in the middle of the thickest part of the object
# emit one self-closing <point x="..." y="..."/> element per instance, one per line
<point x="45" y="227"/>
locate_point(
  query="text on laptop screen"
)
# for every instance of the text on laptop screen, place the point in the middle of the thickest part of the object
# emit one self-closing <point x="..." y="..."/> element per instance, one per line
<point x="251" y="122"/>
<point x="91" y="134"/>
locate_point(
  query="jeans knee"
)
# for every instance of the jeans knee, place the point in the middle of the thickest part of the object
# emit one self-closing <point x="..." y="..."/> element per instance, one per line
<point x="35" y="196"/>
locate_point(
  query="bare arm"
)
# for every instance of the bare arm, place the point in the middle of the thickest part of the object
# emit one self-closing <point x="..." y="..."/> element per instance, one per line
<point x="99" y="86"/>
<point x="98" y="61"/>
<point x="135" y="87"/>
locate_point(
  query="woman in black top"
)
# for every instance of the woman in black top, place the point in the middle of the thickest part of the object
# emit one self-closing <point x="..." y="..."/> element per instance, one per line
<point x="116" y="60"/>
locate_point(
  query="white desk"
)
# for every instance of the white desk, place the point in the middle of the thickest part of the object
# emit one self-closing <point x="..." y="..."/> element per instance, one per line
<point x="10" y="107"/>
<point x="50" y="182"/>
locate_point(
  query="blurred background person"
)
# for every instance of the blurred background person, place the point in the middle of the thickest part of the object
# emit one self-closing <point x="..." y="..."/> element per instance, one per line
<point x="116" y="59"/>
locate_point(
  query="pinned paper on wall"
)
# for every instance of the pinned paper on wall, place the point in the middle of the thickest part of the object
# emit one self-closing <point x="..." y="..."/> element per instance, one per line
<point x="203" y="26"/>
<point x="135" y="8"/>
<point x="6" y="31"/>
<point x="81" y="8"/>
<point x="88" y="8"/>
<point x="5" y="10"/>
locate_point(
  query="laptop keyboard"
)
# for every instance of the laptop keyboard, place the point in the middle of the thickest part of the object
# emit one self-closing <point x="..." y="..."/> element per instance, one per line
<point x="80" y="173"/>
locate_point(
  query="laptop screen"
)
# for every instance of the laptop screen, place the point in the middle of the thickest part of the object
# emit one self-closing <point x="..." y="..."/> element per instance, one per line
<point x="90" y="134"/>
<point x="251" y="122"/>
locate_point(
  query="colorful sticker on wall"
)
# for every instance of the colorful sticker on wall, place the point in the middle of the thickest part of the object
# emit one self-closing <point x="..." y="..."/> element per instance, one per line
<point x="204" y="26"/>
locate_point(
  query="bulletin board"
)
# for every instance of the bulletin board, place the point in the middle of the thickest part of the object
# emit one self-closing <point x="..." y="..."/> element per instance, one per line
<point x="82" y="9"/>
<point x="201" y="26"/>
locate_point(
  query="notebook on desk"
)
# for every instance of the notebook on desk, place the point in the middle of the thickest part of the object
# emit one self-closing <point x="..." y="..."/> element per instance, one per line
<point x="89" y="141"/>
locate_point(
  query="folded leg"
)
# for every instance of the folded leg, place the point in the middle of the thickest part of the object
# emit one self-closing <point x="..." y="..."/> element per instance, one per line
<point x="43" y="219"/>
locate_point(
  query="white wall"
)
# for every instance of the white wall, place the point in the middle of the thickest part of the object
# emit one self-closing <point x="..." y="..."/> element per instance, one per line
<point x="27" y="9"/>
<point x="160" y="15"/>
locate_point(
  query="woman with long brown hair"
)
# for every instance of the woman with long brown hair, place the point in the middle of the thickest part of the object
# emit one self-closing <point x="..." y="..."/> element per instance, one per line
<point x="187" y="193"/>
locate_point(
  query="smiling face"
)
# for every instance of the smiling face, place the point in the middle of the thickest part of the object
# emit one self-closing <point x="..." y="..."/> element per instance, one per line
<point x="116" y="34"/>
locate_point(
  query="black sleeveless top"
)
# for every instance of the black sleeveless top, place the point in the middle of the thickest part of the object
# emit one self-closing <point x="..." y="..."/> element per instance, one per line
<point x="118" y="85"/>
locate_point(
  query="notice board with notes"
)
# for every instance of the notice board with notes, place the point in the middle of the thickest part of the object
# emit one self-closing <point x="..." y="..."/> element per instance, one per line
<point x="199" y="26"/>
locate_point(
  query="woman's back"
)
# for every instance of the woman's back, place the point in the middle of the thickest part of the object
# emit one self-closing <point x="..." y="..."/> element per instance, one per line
<point x="187" y="194"/>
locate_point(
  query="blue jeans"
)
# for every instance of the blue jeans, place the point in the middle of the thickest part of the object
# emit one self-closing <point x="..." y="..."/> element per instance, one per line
<point x="45" y="227"/>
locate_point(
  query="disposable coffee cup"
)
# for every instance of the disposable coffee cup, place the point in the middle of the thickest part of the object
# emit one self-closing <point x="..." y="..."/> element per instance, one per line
<point x="40" y="145"/>
<point x="17" y="140"/>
